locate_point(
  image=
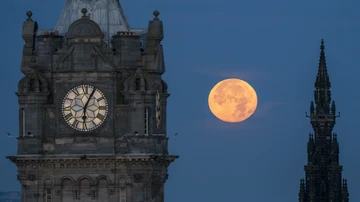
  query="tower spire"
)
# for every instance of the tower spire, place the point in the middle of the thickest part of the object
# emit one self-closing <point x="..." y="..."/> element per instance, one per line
<point x="322" y="92"/>
<point x="108" y="14"/>
<point x="323" y="171"/>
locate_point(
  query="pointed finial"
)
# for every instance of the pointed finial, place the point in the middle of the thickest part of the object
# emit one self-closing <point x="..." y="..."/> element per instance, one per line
<point x="322" y="92"/>
<point x="84" y="11"/>
<point x="156" y="13"/>
<point x="29" y="14"/>
<point x="334" y="136"/>
<point x="333" y="107"/>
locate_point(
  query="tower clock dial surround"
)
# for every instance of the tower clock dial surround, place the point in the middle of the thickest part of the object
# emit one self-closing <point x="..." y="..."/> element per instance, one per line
<point x="84" y="108"/>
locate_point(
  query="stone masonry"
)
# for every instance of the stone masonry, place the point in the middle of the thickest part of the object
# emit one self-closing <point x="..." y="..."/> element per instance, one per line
<point x="126" y="159"/>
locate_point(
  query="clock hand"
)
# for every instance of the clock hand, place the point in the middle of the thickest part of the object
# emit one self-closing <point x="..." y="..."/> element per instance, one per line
<point x="87" y="103"/>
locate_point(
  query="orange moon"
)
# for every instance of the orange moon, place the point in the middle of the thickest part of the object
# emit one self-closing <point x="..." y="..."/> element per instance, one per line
<point x="232" y="100"/>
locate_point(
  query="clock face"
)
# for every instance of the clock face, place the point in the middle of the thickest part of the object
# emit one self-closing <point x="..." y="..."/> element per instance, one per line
<point x="84" y="108"/>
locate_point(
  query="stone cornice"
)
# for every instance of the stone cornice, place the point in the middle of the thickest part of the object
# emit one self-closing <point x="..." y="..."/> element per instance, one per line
<point x="81" y="158"/>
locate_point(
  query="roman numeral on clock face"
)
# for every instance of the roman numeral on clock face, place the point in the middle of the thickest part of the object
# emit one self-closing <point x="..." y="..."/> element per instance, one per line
<point x="67" y="109"/>
<point x="75" y="124"/>
<point x="102" y="107"/>
<point x="76" y="92"/>
<point x="100" y="98"/>
<point x="68" y="116"/>
<point x="85" y="89"/>
<point x="100" y="116"/>
<point x="84" y="126"/>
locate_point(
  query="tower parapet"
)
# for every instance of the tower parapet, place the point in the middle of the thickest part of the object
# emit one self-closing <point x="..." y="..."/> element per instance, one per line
<point x="126" y="48"/>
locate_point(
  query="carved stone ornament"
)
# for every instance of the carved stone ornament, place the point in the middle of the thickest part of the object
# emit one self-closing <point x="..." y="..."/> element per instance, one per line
<point x="84" y="27"/>
<point x="158" y="110"/>
<point x="137" y="177"/>
<point x="31" y="177"/>
<point x="137" y="81"/>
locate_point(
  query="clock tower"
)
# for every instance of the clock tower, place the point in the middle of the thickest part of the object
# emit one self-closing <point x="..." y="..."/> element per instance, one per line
<point x="92" y="108"/>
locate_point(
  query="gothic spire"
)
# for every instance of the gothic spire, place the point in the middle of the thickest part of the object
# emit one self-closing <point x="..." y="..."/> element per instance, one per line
<point x="323" y="172"/>
<point x="322" y="92"/>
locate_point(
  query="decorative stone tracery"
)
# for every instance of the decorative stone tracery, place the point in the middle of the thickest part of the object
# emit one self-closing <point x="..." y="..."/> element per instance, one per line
<point x="84" y="28"/>
<point x="138" y="81"/>
<point x="33" y="81"/>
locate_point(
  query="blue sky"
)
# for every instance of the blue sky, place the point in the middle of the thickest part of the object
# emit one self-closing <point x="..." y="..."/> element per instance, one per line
<point x="273" y="45"/>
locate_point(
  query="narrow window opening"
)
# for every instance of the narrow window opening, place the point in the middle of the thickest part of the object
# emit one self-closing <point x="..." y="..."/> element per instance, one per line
<point x="146" y="121"/>
<point x="137" y="84"/>
<point x="23" y="121"/>
<point x="48" y="195"/>
<point x="122" y="194"/>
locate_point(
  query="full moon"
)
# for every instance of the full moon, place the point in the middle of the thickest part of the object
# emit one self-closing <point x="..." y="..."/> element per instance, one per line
<point x="232" y="100"/>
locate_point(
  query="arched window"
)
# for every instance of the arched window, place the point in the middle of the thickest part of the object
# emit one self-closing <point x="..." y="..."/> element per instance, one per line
<point x="86" y="193"/>
<point x="123" y="190"/>
<point x="137" y="84"/>
<point x="48" y="188"/>
<point x="103" y="189"/>
<point x="67" y="186"/>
